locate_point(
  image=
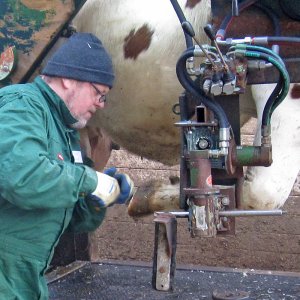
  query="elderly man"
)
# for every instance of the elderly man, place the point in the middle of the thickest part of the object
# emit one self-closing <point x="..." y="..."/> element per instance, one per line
<point x="45" y="189"/>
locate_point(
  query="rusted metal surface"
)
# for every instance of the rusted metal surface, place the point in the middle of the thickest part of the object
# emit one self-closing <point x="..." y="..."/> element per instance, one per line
<point x="201" y="203"/>
<point x="252" y="156"/>
<point x="200" y="169"/>
<point x="237" y="66"/>
<point x="164" y="262"/>
<point x="205" y="199"/>
<point x="253" y="21"/>
<point x="226" y="225"/>
<point x="203" y="217"/>
<point x="234" y="295"/>
<point x="32" y="26"/>
<point x="8" y="62"/>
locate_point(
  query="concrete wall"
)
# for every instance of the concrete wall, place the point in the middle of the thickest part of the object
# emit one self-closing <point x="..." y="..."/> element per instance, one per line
<point x="268" y="243"/>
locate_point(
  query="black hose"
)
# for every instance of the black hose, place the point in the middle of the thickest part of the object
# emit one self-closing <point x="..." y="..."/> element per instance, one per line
<point x="181" y="17"/>
<point x="283" y="40"/>
<point x="272" y="16"/>
<point x="268" y="11"/>
<point x="273" y="99"/>
<point x="281" y="88"/>
<point x="230" y="16"/>
<point x="199" y="94"/>
<point x="273" y="40"/>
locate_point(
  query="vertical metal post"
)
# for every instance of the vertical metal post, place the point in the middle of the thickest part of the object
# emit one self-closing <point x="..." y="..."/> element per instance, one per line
<point x="201" y="196"/>
<point x="164" y="261"/>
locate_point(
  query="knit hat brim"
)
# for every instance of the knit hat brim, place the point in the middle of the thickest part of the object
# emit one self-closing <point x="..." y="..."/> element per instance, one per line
<point x="79" y="73"/>
<point x="83" y="58"/>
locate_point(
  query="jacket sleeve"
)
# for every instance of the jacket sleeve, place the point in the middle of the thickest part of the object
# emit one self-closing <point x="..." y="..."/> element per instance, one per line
<point x="30" y="176"/>
<point x="85" y="217"/>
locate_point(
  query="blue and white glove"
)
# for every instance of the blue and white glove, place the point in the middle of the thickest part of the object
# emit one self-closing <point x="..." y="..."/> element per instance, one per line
<point x="112" y="188"/>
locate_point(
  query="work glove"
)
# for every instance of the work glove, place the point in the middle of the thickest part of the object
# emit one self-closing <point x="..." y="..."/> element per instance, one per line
<point x="112" y="188"/>
<point x="125" y="183"/>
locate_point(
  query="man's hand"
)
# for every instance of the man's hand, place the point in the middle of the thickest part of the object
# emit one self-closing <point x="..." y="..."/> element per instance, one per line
<point x="125" y="183"/>
<point x="112" y="188"/>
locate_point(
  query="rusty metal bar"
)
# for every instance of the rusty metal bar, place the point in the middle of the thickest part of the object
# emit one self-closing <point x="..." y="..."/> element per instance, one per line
<point x="164" y="261"/>
<point x="231" y="213"/>
<point x="250" y="213"/>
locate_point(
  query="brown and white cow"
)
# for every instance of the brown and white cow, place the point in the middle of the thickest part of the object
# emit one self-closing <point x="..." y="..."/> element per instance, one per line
<point x="145" y="40"/>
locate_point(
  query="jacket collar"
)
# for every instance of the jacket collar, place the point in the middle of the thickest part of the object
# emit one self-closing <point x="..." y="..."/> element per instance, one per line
<point x="56" y="104"/>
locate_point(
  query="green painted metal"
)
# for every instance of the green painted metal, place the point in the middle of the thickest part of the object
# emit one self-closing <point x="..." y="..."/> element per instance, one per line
<point x="247" y="156"/>
<point x="33" y="26"/>
<point x="19" y="24"/>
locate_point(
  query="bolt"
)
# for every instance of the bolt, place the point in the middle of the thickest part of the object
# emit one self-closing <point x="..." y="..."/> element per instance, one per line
<point x="162" y="270"/>
<point x="5" y="68"/>
<point x="225" y="201"/>
<point x="203" y="144"/>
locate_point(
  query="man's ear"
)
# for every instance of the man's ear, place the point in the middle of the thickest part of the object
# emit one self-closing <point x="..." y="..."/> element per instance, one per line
<point x="67" y="83"/>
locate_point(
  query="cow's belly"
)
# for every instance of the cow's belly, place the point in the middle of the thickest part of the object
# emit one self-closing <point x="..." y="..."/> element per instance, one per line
<point x="138" y="112"/>
<point x="269" y="187"/>
<point x="145" y="40"/>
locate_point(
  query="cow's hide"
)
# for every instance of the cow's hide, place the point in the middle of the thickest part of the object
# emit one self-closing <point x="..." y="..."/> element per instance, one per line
<point x="269" y="187"/>
<point x="145" y="40"/>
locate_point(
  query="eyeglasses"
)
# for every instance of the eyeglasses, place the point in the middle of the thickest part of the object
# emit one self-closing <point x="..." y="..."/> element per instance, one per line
<point x="102" y="96"/>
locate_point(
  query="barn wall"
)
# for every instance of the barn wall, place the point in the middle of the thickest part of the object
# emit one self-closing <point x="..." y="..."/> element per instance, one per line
<point x="268" y="243"/>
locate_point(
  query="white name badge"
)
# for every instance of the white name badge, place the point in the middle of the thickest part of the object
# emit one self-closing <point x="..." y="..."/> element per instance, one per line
<point x="77" y="156"/>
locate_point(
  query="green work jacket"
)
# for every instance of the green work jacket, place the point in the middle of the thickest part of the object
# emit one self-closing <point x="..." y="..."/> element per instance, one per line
<point x="43" y="185"/>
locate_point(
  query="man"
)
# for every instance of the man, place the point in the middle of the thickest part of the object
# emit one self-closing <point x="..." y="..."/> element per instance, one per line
<point x="45" y="189"/>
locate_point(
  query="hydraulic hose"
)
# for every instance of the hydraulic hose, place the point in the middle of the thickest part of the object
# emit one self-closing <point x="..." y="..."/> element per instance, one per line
<point x="185" y="79"/>
<point x="268" y="11"/>
<point x="259" y="49"/>
<point x="199" y="94"/>
<point x="227" y="20"/>
<point x="272" y="16"/>
<point x="283" y="40"/>
<point x="282" y="86"/>
<point x="274" y="100"/>
<point x="181" y="17"/>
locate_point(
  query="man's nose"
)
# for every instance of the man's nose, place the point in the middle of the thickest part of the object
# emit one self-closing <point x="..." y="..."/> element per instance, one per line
<point x="99" y="105"/>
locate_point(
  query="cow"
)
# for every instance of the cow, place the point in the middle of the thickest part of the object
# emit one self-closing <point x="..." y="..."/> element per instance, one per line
<point x="145" y="40"/>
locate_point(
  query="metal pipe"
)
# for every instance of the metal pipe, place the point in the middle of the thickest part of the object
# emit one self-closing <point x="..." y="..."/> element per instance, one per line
<point x="251" y="213"/>
<point x="253" y="156"/>
<point x="177" y="214"/>
<point x="232" y="213"/>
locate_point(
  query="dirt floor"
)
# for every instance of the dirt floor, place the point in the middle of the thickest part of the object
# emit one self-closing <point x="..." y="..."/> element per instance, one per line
<point x="265" y="243"/>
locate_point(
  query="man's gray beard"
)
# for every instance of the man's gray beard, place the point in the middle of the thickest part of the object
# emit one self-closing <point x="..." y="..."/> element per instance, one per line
<point x="79" y="124"/>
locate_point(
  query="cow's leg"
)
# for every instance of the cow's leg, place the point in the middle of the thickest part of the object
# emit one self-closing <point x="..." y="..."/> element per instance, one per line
<point x="247" y="106"/>
<point x="264" y="187"/>
<point x="155" y="196"/>
<point x="96" y="145"/>
<point x="269" y="187"/>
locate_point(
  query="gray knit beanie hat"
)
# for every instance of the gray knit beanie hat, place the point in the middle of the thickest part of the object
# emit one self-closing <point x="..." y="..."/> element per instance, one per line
<point x="83" y="58"/>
